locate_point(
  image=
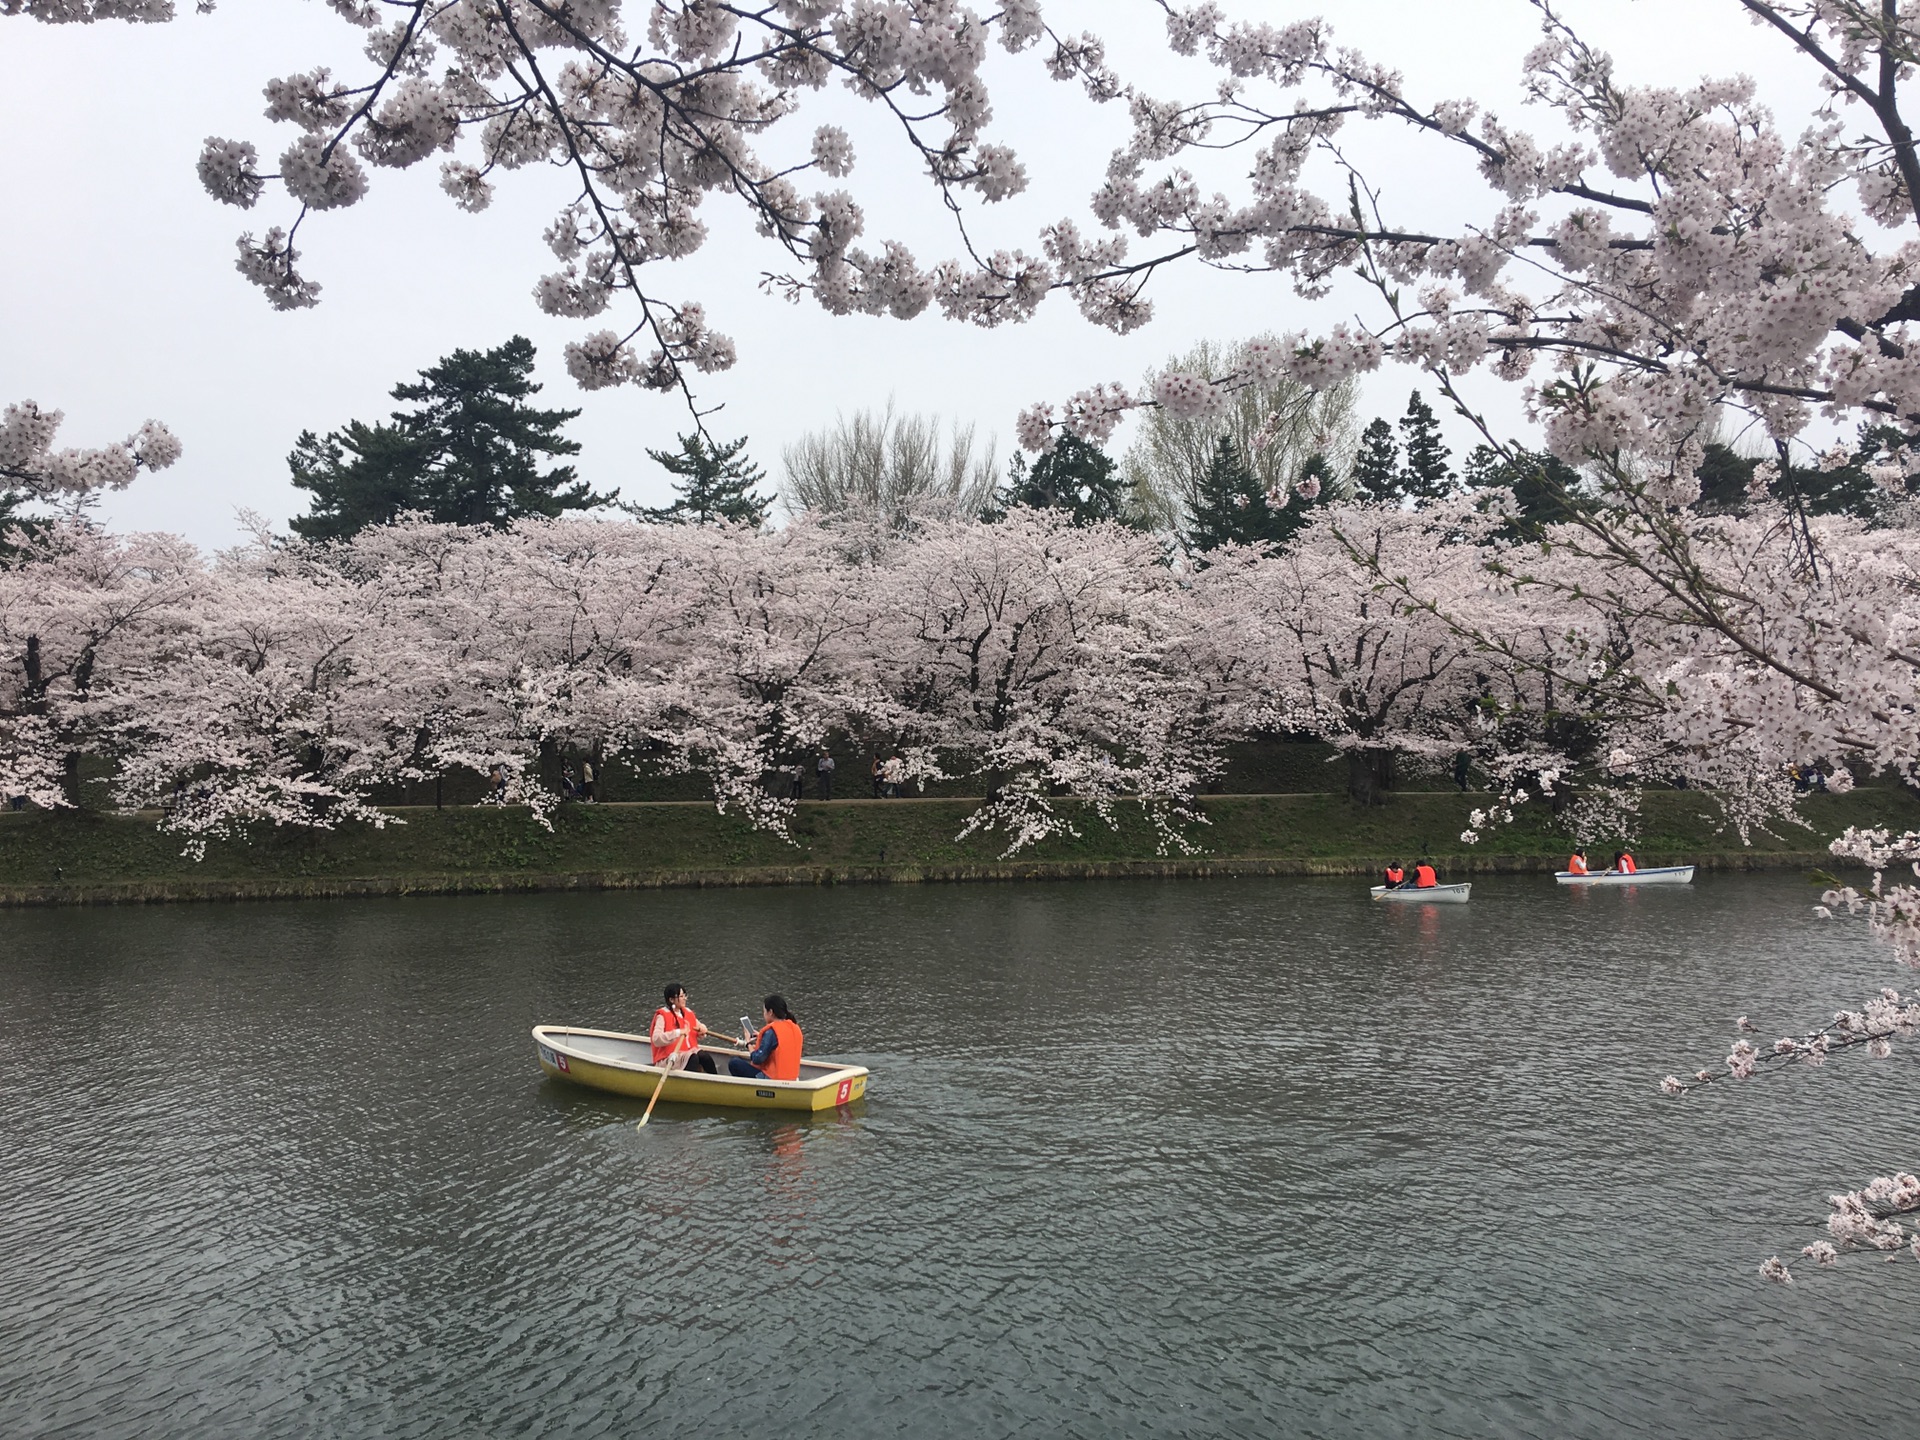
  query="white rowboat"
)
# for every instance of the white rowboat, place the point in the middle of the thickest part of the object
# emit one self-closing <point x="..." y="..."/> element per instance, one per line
<point x="1433" y="894"/>
<point x="1658" y="875"/>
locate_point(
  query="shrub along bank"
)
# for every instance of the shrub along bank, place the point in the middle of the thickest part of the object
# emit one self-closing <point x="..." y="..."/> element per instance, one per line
<point x="89" y="857"/>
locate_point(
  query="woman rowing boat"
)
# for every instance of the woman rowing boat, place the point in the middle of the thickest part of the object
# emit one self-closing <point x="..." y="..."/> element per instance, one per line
<point x="676" y="1032"/>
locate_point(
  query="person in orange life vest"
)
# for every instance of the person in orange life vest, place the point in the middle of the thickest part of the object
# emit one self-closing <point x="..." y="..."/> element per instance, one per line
<point x="676" y="1034"/>
<point x="776" y="1054"/>
<point x="1396" y="877"/>
<point x="1423" y="876"/>
<point x="1623" y="862"/>
<point x="1578" y="864"/>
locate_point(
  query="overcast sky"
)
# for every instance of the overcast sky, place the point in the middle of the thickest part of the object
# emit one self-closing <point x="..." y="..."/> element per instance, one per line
<point x="120" y="301"/>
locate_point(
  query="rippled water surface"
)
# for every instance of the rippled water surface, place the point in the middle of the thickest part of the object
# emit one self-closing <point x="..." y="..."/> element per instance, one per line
<point x="1140" y="1158"/>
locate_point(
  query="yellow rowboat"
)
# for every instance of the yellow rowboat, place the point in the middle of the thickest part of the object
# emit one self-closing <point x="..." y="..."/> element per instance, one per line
<point x="620" y="1063"/>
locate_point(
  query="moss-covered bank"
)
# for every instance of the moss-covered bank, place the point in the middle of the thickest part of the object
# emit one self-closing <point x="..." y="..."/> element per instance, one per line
<point x="82" y="858"/>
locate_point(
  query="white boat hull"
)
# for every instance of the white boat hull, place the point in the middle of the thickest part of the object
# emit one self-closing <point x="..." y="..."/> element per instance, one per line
<point x="1433" y="894"/>
<point x="1659" y="875"/>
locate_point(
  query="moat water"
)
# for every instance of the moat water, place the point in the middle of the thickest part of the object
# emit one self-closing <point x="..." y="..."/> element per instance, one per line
<point x="1231" y="1157"/>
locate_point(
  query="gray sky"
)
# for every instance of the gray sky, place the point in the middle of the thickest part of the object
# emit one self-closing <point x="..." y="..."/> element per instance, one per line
<point x="120" y="301"/>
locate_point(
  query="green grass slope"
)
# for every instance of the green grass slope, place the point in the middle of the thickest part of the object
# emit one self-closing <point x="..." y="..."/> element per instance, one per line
<point x="77" y="857"/>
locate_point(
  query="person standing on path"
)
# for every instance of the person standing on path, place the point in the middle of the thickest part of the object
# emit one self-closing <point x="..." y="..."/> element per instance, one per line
<point x="894" y="774"/>
<point x="879" y="770"/>
<point x="823" y="775"/>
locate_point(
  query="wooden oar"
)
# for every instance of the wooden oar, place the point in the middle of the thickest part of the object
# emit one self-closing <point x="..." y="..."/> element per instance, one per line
<point x="666" y="1069"/>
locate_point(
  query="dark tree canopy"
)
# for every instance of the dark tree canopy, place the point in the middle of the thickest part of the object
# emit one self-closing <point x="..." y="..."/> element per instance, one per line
<point x="1073" y="476"/>
<point x="1545" y="488"/>
<point x="1426" y="475"/>
<point x="1726" y="478"/>
<point x="1229" y="506"/>
<point x="717" y="483"/>
<point x="1382" y="476"/>
<point x="469" y="452"/>
<point x="1376" y="467"/>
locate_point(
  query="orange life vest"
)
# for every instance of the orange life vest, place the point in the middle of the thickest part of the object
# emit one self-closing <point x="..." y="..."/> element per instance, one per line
<point x="1424" y="878"/>
<point x="1627" y="867"/>
<point x="665" y="1018"/>
<point x="784" y="1062"/>
<point x="1395" y="875"/>
<point x="1577" y="865"/>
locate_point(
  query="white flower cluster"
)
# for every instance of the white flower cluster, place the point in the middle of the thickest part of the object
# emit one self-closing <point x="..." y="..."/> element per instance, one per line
<point x="321" y="174"/>
<point x="269" y="264"/>
<point x="833" y="150"/>
<point x="654" y="129"/>
<point x="230" y="171"/>
<point x="30" y="464"/>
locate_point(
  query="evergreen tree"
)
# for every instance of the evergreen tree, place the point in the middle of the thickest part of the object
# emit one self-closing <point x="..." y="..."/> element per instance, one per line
<point x="1724" y="478"/>
<point x="1075" y="476"/>
<point x="469" y="452"/>
<point x="1545" y="488"/>
<point x="719" y="484"/>
<point x="1317" y="475"/>
<point x="1230" y="506"/>
<point x="1425" y="476"/>
<point x="1376" y="467"/>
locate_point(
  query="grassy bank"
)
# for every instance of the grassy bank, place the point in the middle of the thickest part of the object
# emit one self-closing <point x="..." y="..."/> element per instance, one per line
<point x="80" y="858"/>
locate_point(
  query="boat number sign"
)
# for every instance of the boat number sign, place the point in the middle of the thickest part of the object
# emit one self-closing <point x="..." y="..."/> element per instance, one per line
<point x="841" y="1096"/>
<point x="553" y="1058"/>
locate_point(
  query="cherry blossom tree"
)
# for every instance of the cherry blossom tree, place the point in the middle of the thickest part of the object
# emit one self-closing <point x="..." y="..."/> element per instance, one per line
<point x="273" y="693"/>
<point x="77" y="608"/>
<point x="1047" y="660"/>
<point x="1366" y="665"/>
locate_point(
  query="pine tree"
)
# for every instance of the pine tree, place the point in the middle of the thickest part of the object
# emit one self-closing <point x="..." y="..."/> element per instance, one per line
<point x="1298" y="510"/>
<point x="1425" y="476"/>
<point x="1545" y="488"/>
<point x="1074" y="476"/>
<point x="468" y="453"/>
<point x="1724" y="480"/>
<point x="720" y="485"/>
<point x="1229" y="506"/>
<point x="1376" y="468"/>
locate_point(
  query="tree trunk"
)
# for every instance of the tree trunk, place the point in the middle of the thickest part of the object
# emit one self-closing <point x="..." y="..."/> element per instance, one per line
<point x="1369" y="775"/>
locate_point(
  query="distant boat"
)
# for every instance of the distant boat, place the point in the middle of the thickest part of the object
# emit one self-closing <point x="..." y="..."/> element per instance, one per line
<point x="1658" y="875"/>
<point x="1441" y="894"/>
<point x="622" y="1064"/>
